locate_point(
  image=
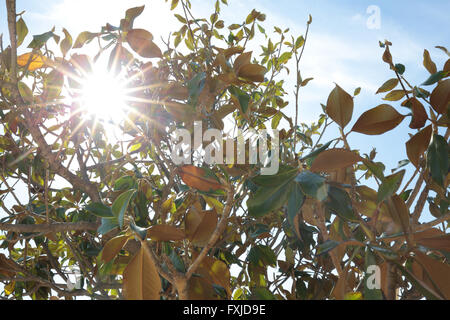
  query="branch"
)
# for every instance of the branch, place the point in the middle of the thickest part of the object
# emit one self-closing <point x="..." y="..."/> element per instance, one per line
<point x="46" y="228"/>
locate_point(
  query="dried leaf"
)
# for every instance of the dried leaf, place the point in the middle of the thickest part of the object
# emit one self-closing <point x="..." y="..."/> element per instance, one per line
<point x="428" y="63"/>
<point x="438" y="272"/>
<point x="199" y="225"/>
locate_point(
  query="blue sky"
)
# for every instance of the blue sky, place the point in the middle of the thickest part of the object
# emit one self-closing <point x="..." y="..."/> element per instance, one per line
<point x="341" y="48"/>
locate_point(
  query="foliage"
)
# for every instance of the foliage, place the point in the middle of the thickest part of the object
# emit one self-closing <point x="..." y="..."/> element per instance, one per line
<point x="137" y="226"/>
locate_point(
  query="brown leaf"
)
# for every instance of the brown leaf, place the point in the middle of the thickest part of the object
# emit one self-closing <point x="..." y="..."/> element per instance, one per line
<point x="378" y="120"/>
<point x="82" y="63"/>
<point x="438" y="272"/>
<point x="197" y="178"/>
<point x="37" y="61"/>
<point x="141" y="41"/>
<point x="340" y="106"/>
<point x="113" y="247"/>
<point x="199" y="225"/>
<point x="440" y="97"/>
<point x="165" y="233"/>
<point x="7" y="267"/>
<point x="418" y="144"/>
<point x="334" y="159"/>
<point x="399" y="212"/>
<point x="428" y="63"/>
<point x="140" y="278"/>
<point x="242" y="60"/>
<point x="437" y="243"/>
<point x="420" y="116"/>
<point x="387" y="57"/>
<point x="214" y="271"/>
<point x="252" y="72"/>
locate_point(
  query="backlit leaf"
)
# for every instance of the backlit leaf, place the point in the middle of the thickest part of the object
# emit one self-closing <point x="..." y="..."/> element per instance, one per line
<point x="440" y="97"/>
<point x="113" y="247"/>
<point x="141" y="41"/>
<point x="140" y="278"/>
<point x="334" y="159"/>
<point x="378" y="120"/>
<point x="388" y="85"/>
<point x="340" y="106"/>
<point x="199" y="179"/>
<point x="418" y="144"/>
<point x="120" y="205"/>
<point x="165" y="233"/>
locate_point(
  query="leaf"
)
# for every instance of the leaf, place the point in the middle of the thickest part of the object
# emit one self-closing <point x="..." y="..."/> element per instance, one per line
<point x="41" y="39"/>
<point x="262" y="256"/>
<point x="140" y="278"/>
<point x="198" y="178"/>
<point x="316" y="152"/>
<point x="107" y="225"/>
<point x="242" y="60"/>
<point x="390" y="186"/>
<point x="37" y="61"/>
<point x="440" y="97"/>
<point x="388" y="85"/>
<point x="165" y="233"/>
<point x="99" y="210"/>
<point x="399" y="212"/>
<point x="418" y="144"/>
<point x="312" y="185"/>
<point x="434" y="78"/>
<point x="370" y="293"/>
<point x="113" y="247"/>
<point x="438" y="272"/>
<point x="132" y="13"/>
<point x="436" y="243"/>
<point x="25" y="92"/>
<point x="120" y="205"/>
<point x="267" y="199"/>
<point x="83" y="38"/>
<point x="334" y="159"/>
<point x="295" y="202"/>
<point x="428" y="63"/>
<point x="284" y="174"/>
<point x="437" y="159"/>
<point x="141" y="232"/>
<point x="253" y="72"/>
<point x="243" y="97"/>
<point x="141" y="41"/>
<point x="420" y="116"/>
<point x="378" y="120"/>
<point x="22" y="31"/>
<point x="340" y="203"/>
<point x="340" y="106"/>
<point x="419" y="284"/>
<point x="326" y="246"/>
<point x="199" y="225"/>
<point x="53" y="85"/>
<point x="400" y="68"/>
<point x="395" y="95"/>
<point x="66" y="43"/>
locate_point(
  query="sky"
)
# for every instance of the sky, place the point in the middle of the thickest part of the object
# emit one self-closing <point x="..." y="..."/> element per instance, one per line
<point x="342" y="48"/>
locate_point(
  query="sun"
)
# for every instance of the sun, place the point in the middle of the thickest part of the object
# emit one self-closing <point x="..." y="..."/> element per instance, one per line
<point x="104" y="96"/>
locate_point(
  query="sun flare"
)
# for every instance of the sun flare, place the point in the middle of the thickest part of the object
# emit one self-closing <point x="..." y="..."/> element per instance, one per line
<point x="104" y="96"/>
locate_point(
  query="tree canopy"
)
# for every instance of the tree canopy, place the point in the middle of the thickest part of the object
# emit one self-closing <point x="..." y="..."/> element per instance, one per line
<point x="105" y="201"/>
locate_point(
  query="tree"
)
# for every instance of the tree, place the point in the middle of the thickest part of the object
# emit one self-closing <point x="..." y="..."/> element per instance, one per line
<point x="138" y="225"/>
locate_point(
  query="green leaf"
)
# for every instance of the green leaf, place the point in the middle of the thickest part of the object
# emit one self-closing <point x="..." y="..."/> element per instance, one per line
<point x="260" y="293"/>
<point x="267" y="199"/>
<point x="132" y="13"/>
<point x="316" y="152"/>
<point x="107" y="225"/>
<point x="437" y="159"/>
<point x="372" y="293"/>
<point x="22" y="31"/>
<point x="340" y="203"/>
<point x="390" y="186"/>
<point x="295" y="202"/>
<point x="99" y="210"/>
<point x="120" y="205"/>
<point x="400" y="68"/>
<point x="326" y="247"/>
<point x="262" y="256"/>
<point x="243" y="97"/>
<point x="141" y="232"/>
<point x="124" y="183"/>
<point x="40" y="40"/>
<point x="285" y="173"/>
<point x="312" y="185"/>
<point x="434" y="78"/>
<point x="84" y="38"/>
